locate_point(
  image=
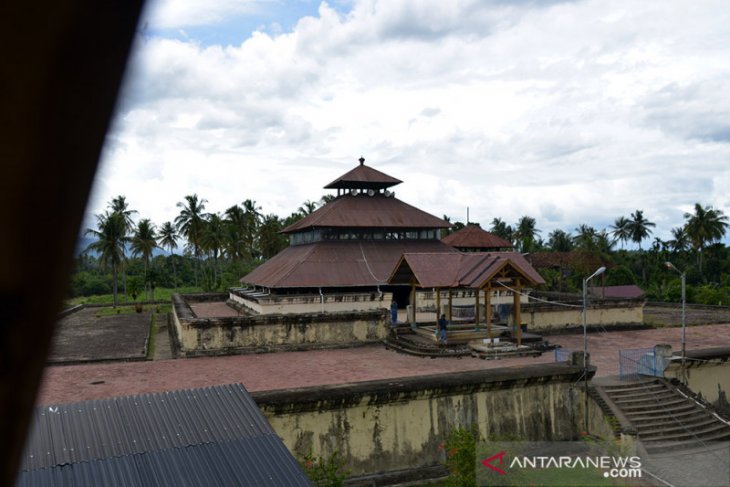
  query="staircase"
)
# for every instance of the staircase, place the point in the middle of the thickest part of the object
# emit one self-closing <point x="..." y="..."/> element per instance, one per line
<point x="664" y="418"/>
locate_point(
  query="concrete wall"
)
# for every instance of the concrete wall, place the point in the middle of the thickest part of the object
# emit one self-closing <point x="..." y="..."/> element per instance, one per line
<point x="548" y="317"/>
<point x="262" y="303"/>
<point x="708" y="374"/>
<point x="395" y="425"/>
<point x="262" y="333"/>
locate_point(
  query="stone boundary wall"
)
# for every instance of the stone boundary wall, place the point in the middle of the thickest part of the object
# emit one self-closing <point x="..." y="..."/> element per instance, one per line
<point x="708" y="374"/>
<point x="309" y="303"/>
<point x="548" y="317"/>
<point x="272" y="332"/>
<point x="394" y="428"/>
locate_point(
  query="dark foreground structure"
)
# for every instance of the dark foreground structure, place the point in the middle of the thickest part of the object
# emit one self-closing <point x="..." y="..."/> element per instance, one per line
<point x="210" y="436"/>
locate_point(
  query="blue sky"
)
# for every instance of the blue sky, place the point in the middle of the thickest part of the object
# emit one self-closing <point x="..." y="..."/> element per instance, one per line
<point x="570" y="112"/>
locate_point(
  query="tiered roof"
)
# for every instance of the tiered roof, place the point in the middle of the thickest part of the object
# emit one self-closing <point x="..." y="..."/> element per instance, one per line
<point x="473" y="237"/>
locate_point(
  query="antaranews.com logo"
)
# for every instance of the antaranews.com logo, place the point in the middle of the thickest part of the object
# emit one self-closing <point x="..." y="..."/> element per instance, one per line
<point x="555" y="464"/>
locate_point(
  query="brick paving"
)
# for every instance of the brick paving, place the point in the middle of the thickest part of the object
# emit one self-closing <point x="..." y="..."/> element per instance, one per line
<point x="284" y="370"/>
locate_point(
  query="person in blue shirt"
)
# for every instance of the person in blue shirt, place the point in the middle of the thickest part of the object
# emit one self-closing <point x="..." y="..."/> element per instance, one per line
<point x="443" y="324"/>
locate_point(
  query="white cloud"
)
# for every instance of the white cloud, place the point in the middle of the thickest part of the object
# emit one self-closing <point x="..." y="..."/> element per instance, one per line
<point x="572" y="112"/>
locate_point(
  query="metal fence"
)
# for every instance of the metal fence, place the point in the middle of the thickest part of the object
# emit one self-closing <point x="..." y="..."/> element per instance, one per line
<point x="562" y="354"/>
<point x="637" y="362"/>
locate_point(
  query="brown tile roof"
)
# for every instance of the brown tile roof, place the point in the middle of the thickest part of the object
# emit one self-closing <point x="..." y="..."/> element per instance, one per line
<point x="473" y="237"/>
<point x="574" y="258"/>
<point x="461" y="269"/>
<point x="363" y="177"/>
<point x="337" y="263"/>
<point x="363" y="211"/>
<point x="630" y="291"/>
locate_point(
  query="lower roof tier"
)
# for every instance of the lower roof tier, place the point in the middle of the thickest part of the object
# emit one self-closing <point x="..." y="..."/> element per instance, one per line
<point x="337" y="263"/>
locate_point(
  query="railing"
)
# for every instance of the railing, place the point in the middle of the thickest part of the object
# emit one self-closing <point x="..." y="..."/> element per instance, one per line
<point x="637" y="362"/>
<point x="562" y="355"/>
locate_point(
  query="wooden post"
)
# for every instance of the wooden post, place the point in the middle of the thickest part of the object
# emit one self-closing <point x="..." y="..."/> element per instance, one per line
<point x="488" y="309"/>
<point x="413" y="303"/>
<point x="517" y="311"/>
<point x="450" y="317"/>
<point x="438" y="305"/>
<point x="476" y="308"/>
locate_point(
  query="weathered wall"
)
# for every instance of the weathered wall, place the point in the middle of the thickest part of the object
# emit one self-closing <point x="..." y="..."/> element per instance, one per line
<point x="547" y="317"/>
<point x="311" y="303"/>
<point x="708" y="374"/>
<point x="394" y="425"/>
<point x="240" y="334"/>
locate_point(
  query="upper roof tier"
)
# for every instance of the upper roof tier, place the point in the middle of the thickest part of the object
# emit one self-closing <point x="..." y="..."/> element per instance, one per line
<point x="365" y="211"/>
<point x="363" y="177"/>
<point x="473" y="237"/>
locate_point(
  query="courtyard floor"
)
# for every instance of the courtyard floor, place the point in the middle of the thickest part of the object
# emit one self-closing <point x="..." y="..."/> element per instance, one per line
<point x="70" y="383"/>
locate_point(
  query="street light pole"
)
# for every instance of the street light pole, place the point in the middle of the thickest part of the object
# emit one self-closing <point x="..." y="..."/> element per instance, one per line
<point x="598" y="272"/>
<point x="682" y="276"/>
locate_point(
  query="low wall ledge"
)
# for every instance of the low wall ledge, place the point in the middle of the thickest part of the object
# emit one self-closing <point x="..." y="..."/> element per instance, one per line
<point x="389" y="390"/>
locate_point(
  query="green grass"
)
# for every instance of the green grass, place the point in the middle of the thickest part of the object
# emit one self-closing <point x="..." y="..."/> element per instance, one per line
<point x="119" y="310"/>
<point x="162" y="295"/>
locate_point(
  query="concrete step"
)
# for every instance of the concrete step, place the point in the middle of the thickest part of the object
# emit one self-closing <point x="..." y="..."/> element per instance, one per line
<point x="680" y="428"/>
<point x="692" y="434"/>
<point x="644" y="396"/>
<point x="689" y="420"/>
<point x="635" y="387"/>
<point x="665" y="446"/>
<point x="643" y="417"/>
<point x="663" y="405"/>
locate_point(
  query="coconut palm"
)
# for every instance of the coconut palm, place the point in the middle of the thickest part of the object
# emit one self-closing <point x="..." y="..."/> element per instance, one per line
<point x="705" y="225"/>
<point x="111" y="238"/>
<point x="560" y="241"/>
<point x="252" y="223"/>
<point x="144" y="241"/>
<point x="525" y="234"/>
<point x="639" y="227"/>
<point x="236" y="229"/>
<point x="212" y="240"/>
<point x="167" y="237"/>
<point x="119" y="205"/>
<point x="680" y="241"/>
<point x="189" y="223"/>
<point x="620" y="229"/>
<point x="585" y="237"/>
<point x="501" y="229"/>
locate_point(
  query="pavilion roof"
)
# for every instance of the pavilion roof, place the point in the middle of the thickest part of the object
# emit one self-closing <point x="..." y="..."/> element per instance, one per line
<point x="472" y="270"/>
<point x="337" y="263"/>
<point x="473" y="237"/>
<point x="363" y="211"/>
<point x="363" y="176"/>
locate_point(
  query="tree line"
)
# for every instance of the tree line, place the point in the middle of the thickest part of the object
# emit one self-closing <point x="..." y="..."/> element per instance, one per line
<point x="211" y="250"/>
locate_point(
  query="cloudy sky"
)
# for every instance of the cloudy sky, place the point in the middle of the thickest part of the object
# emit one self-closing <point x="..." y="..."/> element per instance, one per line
<point x="570" y="112"/>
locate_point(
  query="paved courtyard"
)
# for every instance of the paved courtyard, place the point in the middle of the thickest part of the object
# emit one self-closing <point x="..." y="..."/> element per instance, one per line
<point x="283" y="370"/>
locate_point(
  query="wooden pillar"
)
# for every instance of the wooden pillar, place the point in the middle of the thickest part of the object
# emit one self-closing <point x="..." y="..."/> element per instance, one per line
<point x="413" y="303"/>
<point x="517" y="310"/>
<point x="488" y="309"/>
<point x="438" y="305"/>
<point x="450" y="317"/>
<point x="476" y="308"/>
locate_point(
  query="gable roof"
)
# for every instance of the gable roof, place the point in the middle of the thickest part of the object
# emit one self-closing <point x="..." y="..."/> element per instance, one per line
<point x="363" y="176"/>
<point x="337" y="263"/>
<point x="461" y="269"/>
<point x="473" y="237"/>
<point x="363" y="211"/>
<point x="206" y="436"/>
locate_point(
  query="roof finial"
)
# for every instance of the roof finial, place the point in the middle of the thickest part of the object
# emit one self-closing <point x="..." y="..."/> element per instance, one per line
<point x="362" y="160"/>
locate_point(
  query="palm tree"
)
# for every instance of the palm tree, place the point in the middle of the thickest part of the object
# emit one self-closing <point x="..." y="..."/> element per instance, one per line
<point x="236" y="229"/>
<point x="680" y="242"/>
<point x="144" y="241"/>
<point x="639" y="227"/>
<point x="526" y="233"/>
<point x="252" y="222"/>
<point x="212" y="240"/>
<point x="270" y="238"/>
<point x="111" y="237"/>
<point x="189" y="223"/>
<point x="308" y="207"/>
<point x="585" y="238"/>
<point x="167" y="237"/>
<point x="119" y="205"/>
<point x="705" y="225"/>
<point x="501" y="229"/>
<point x="560" y="241"/>
<point x="620" y="229"/>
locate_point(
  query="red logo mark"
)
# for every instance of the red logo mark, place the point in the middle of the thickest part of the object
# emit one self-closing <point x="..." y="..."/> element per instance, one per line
<point x="488" y="463"/>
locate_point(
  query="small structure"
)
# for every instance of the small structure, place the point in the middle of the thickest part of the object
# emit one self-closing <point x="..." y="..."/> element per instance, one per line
<point x="472" y="238"/>
<point x="480" y="272"/>
<point x="207" y="436"/>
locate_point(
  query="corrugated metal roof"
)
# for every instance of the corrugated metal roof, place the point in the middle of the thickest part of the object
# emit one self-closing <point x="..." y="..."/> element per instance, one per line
<point x="363" y="177"/>
<point x="473" y="237"/>
<point x="363" y="211"/>
<point x="337" y="263"/>
<point x="208" y="436"/>
<point x="467" y="269"/>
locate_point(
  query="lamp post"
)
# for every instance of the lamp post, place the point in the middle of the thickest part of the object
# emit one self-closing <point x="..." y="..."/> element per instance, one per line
<point x="598" y="272"/>
<point x="682" y="275"/>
